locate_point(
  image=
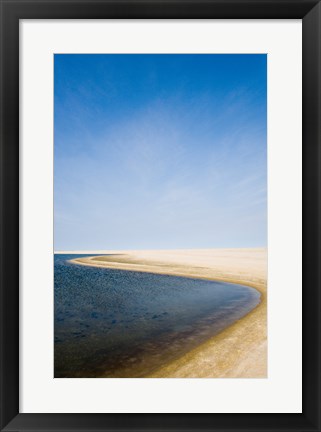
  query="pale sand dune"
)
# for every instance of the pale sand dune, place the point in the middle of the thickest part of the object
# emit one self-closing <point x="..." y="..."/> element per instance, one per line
<point x="238" y="351"/>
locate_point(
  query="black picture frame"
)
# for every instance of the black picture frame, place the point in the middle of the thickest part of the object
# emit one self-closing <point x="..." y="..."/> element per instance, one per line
<point x="14" y="10"/>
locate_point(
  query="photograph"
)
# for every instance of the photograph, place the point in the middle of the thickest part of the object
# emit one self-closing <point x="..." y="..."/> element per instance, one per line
<point x="160" y="216"/>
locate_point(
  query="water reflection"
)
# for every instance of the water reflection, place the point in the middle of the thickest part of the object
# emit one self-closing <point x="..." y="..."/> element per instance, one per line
<point x="116" y="323"/>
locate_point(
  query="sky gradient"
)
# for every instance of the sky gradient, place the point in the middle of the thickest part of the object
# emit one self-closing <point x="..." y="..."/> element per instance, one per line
<point x="160" y="151"/>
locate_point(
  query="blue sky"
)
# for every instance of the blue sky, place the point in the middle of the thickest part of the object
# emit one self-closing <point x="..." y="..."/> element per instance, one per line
<point x="160" y="151"/>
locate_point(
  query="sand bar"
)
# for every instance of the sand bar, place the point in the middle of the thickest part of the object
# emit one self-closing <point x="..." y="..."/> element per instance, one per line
<point x="238" y="351"/>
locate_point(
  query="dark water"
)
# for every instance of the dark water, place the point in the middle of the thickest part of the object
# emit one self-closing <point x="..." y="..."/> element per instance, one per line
<point x="116" y="323"/>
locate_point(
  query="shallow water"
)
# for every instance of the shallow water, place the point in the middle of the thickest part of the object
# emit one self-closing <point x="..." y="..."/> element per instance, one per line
<point x="117" y="323"/>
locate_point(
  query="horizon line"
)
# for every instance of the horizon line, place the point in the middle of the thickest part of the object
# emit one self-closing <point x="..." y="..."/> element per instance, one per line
<point x="162" y="249"/>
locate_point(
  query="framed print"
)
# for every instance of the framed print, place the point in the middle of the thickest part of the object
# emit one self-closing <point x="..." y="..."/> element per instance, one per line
<point x="159" y="214"/>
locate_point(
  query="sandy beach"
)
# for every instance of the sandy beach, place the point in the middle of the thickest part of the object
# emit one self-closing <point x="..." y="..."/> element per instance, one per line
<point x="239" y="351"/>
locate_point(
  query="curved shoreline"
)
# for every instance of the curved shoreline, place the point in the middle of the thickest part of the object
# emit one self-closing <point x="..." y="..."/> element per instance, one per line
<point x="238" y="351"/>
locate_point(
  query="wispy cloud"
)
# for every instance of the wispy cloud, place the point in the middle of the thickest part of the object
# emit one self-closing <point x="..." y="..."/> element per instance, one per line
<point x="183" y="168"/>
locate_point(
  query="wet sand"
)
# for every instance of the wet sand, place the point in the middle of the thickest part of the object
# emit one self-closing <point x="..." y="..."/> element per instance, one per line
<point x="239" y="351"/>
